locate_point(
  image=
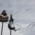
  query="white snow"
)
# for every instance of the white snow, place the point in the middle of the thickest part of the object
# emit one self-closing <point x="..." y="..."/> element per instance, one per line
<point x="24" y="29"/>
<point x="29" y="30"/>
<point x="22" y="11"/>
<point x="6" y="31"/>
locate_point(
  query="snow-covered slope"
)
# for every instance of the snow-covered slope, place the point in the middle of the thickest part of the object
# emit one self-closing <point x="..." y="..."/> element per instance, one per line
<point x="18" y="27"/>
<point x="29" y="30"/>
<point x="24" y="29"/>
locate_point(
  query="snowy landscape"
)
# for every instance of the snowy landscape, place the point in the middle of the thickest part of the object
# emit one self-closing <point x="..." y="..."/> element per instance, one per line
<point x="23" y="12"/>
<point x="25" y="29"/>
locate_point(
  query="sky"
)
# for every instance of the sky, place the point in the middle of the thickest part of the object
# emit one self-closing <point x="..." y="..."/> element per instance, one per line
<point x="23" y="11"/>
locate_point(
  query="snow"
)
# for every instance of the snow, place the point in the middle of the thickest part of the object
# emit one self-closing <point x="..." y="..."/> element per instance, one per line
<point x="23" y="11"/>
<point x="24" y="29"/>
<point x="29" y="30"/>
<point x="6" y="30"/>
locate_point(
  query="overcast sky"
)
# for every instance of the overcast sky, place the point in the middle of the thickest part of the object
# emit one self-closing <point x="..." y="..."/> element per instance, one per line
<point x="22" y="10"/>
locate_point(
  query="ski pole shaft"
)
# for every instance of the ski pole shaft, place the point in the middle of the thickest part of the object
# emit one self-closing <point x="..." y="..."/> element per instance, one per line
<point x="2" y="29"/>
<point x="10" y="32"/>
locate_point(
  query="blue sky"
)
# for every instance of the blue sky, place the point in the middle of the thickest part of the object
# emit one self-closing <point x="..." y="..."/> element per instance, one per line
<point x="23" y="11"/>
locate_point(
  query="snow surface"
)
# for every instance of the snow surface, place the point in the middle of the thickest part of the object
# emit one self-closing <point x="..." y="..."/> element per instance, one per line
<point x="29" y="30"/>
<point x="21" y="29"/>
<point x="6" y="31"/>
<point x="23" y="11"/>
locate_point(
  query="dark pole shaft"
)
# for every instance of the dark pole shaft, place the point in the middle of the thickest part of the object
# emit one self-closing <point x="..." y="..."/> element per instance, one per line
<point x="10" y="32"/>
<point x="2" y="29"/>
